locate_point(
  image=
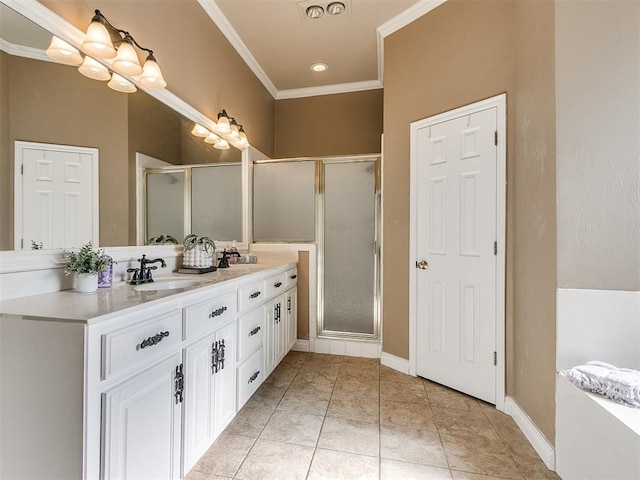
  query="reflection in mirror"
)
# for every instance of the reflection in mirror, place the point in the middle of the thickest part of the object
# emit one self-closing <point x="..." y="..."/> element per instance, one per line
<point x="199" y="199"/>
<point x="46" y="102"/>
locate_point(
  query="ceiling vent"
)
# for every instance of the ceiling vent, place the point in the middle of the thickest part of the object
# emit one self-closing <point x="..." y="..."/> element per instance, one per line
<point x="314" y="10"/>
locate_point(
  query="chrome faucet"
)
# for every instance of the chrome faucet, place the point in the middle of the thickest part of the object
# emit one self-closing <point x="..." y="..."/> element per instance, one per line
<point x="143" y="273"/>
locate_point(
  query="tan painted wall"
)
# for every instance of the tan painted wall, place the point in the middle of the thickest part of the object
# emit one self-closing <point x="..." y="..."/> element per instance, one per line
<point x="52" y="103"/>
<point x="199" y="64"/>
<point x="460" y="53"/>
<point x="598" y="87"/>
<point x="341" y="124"/>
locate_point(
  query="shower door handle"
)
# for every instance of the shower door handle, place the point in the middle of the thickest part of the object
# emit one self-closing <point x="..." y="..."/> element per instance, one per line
<point x="422" y="265"/>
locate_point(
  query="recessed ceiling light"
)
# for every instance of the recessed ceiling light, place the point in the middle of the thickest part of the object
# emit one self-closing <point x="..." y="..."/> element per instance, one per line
<point x="319" y="67"/>
<point x="315" y="11"/>
<point x="335" y="8"/>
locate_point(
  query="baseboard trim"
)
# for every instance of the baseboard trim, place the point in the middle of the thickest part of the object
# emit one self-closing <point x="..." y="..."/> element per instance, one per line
<point x="301" y="346"/>
<point x="397" y="363"/>
<point x="537" y="439"/>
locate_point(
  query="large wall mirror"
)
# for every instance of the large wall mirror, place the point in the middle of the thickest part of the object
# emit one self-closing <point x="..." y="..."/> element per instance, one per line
<point x="49" y="103"/>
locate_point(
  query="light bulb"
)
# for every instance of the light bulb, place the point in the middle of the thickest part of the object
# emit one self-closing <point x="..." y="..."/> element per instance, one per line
<point x="223" y="123"/>
<point x="62" y="52"/>
<point x="199" y="131"/>
<point x="97" y="43"/>
<point x="151" y="75"/>
<point x="126" y="61"/>
<point x="93" y="69"/>
<point x="212" y="139"/>
<point x="120" y="84"/>
<point x="221" y="144"/>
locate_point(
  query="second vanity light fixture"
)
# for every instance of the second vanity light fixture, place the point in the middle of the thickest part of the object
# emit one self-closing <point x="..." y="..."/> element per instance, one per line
<point x="227" y="131"/>
<point x="117" y="48"/>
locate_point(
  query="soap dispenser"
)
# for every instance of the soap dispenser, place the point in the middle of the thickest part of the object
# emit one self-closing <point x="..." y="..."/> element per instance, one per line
<point x="233" y="253"/>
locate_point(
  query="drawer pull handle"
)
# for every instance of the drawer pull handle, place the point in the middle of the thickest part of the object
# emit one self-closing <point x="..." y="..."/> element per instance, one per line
<point x="254" y="331"/>
<point x="277" y="285"/>
<point x="293" y="277"/>
<point x="254" y="376"/>
<point x="255" y="295"/>
<point x="218" y="312"/>
<point x="151" y="341"/>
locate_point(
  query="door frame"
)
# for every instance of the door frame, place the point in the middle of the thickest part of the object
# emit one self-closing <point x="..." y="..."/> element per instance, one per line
<point x="19" y="146"/>
<point x="500" y="103"/>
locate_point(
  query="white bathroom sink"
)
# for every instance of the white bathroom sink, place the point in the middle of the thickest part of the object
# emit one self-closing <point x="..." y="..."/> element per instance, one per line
<point x="167" y="284"/>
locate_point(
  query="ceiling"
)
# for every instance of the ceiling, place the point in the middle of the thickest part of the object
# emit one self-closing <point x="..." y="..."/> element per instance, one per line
<point x="280" y="43"/>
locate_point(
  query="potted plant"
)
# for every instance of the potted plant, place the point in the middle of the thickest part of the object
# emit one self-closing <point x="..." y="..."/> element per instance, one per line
<point x="85" y="265"/>
<point x="198" y="251"/>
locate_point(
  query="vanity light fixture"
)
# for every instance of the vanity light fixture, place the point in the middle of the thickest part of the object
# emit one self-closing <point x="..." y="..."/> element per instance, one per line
<point x="118" y="48"/>
<point x="227" y="131"/>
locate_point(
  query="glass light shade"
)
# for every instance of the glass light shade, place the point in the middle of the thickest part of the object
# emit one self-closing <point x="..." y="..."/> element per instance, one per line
<point x="97" y="43"/>
<point x="93" y="69"/>
<point x="62" y="52"/>
<point x="212" y="139"/>
<point x="199" y="131"/>
<point x="151" y="75"/>
<point x="223" y="123"/>
<point x="233" y="134"/>
<point x="243" y="141"/>
<point x="120" y="84"/>
<point x="221" y="144"/>
<point x="126" y="61"/>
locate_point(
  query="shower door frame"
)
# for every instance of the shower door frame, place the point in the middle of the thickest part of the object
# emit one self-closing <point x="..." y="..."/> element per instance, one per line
<point x="320" y="201"/>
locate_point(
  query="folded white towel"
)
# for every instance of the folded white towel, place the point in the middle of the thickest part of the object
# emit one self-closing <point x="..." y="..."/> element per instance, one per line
<point x="619" y="384"/>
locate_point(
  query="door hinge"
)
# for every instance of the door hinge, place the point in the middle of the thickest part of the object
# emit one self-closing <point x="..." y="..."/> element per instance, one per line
<point x="21" y="243"/>
<point x="495" y="358"/>
<point x="495" y="137"/>
<point x="495" y="248"/>
<point x="22" y="169"/>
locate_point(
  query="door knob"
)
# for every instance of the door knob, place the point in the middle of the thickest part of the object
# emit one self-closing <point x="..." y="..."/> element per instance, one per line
<point x="422" y="265"/>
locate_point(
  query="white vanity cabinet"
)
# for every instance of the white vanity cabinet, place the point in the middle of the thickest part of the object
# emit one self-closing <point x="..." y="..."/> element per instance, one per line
<point x="134" y="384"/>
<point x="292" y="307"/>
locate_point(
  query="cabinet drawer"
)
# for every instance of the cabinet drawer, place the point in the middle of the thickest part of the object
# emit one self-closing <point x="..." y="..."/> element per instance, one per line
<point x="250" y="377"/>
<point x="124" y="347"/>
<point x="251" y="296"/>
<point x="291" y="278"/>
<point x="250" y="333"/>
<point x="208" y="315"/>
<point x="275" y="285"/>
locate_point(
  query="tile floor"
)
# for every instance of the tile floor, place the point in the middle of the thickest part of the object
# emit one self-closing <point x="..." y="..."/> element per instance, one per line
<point x="331" y="417"/>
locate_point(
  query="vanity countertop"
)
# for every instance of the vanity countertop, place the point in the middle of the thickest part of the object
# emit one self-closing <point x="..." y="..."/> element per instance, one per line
<point x="107" y="303"/>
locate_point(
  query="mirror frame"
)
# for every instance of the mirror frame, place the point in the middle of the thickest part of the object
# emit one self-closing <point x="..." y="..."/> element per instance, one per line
<point x="12" y="261"/>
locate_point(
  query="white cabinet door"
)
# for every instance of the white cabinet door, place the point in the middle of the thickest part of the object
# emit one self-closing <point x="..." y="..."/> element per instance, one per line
<point x="292" y="318"/>
<point x="142" y="419"/>
<point x="270" y="319"/>
<point x="199" y="422"/>
<point x="225" y="378"/>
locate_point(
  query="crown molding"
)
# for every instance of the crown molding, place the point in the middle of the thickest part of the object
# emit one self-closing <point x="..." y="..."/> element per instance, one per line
<point x="329" y="89"/>
<point x="214" y="12"/>
<point x="400" y="21"/>
<point x="23" y="51"/>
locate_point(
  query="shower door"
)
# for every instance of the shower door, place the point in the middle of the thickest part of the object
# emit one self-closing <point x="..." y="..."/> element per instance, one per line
<point x="348" y="227"/>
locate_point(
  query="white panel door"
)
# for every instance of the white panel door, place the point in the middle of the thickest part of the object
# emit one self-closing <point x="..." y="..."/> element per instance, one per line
<point x="456" y="262"/>
<point x="57" y="190"/>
